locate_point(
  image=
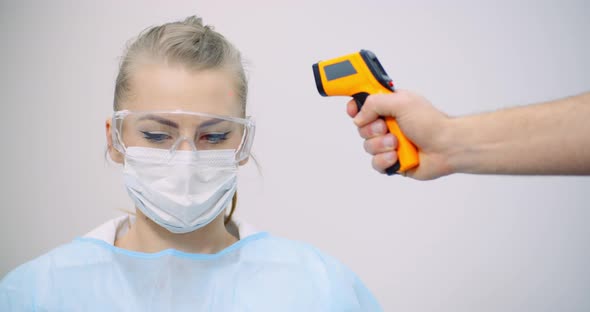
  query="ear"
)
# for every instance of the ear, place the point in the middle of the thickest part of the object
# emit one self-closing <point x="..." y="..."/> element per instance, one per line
<point x="115" y="155"/>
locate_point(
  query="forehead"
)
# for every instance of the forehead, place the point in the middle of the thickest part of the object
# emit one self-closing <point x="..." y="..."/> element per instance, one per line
<point x="164" y="87"/>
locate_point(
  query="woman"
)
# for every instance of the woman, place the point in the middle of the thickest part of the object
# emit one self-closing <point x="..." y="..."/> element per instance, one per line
<point x="179" y="128"/>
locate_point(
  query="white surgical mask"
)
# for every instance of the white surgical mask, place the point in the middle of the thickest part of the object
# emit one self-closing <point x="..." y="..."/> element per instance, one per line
<point x="182" y="192"/>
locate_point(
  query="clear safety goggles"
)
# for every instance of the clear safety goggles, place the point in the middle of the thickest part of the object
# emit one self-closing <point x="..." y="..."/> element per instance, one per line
<point x="174" y="131"/>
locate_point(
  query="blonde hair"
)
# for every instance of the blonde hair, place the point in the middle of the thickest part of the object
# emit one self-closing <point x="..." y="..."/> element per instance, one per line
<point x="187" y="43"/>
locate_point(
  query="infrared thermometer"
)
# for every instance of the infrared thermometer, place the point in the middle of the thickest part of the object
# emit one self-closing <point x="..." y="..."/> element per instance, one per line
<point x="359" y="75"/>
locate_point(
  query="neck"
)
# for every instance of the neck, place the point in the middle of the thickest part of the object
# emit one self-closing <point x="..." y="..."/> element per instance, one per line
<point x="146" y="236"/>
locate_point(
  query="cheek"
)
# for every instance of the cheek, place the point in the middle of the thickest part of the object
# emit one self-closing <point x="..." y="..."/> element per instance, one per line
<point x="115" y="155"/>
<point x="235" y="141"/>
<point x="238" y="136"/>
<point x="130" y="140"/>
<point x="128" y="137"/>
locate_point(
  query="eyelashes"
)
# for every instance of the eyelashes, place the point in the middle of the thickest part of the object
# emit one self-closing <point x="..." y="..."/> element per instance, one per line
<point x="155" y="137"/>
<point x="215" y="138"/>
<point x="209" y="138"/>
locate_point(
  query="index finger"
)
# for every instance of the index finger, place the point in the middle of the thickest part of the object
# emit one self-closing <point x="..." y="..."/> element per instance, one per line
<point x="378" y="105"/>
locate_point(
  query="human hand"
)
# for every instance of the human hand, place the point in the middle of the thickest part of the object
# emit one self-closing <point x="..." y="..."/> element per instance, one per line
<point x="421" y="123"/>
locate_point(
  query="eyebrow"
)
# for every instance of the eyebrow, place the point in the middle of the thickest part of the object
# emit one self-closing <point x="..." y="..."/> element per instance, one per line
<point x="210" y="122"/>
<point x="173" y="124"/>
<point x="161" y="120"/>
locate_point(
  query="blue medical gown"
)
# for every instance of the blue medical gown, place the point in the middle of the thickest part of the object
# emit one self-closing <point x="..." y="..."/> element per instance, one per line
<point x="258" y="273"/>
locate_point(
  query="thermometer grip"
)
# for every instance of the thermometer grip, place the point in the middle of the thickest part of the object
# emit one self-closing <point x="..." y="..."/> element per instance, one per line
<point x="407" y="154"/>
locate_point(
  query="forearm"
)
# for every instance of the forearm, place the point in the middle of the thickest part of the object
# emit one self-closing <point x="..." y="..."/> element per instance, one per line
<point x="548" y="138"/>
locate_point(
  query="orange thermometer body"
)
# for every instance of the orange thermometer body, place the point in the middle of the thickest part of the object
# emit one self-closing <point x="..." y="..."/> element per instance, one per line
<point x="359" y="75"/>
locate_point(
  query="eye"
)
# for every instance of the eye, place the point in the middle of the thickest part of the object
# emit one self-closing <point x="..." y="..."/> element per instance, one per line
<point x="215" y="138"/>
<point x="155" y="137"/>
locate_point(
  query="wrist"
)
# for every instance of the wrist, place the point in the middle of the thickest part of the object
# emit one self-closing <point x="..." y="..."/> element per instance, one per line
<point x="456" y="146"/>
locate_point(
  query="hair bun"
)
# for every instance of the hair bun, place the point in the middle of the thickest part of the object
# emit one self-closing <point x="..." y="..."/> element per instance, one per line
<point x="194" y="21"/>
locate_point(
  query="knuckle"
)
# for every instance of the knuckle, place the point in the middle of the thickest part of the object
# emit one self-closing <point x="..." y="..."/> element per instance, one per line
<point x="366" y="131"/>
<point x="366" y="146"/>
<point x="374" y="163"/>
<point x="361" y="132"/>
<point x="378" y="163"/>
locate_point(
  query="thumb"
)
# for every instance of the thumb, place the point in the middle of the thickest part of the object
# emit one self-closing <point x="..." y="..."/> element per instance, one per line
<point x="380" y="105"/>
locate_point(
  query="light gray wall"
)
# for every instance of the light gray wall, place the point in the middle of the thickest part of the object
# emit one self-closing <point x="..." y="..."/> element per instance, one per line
<point x="461" y="243"/>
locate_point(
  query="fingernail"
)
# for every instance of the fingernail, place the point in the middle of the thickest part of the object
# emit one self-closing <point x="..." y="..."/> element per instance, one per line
<point x="388" y="141"/>
<point x="389" y="156"/>
<point x="377" y="127"/>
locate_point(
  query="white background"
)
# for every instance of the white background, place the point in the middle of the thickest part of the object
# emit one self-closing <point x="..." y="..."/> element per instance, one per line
<point x="460" y="243"/>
